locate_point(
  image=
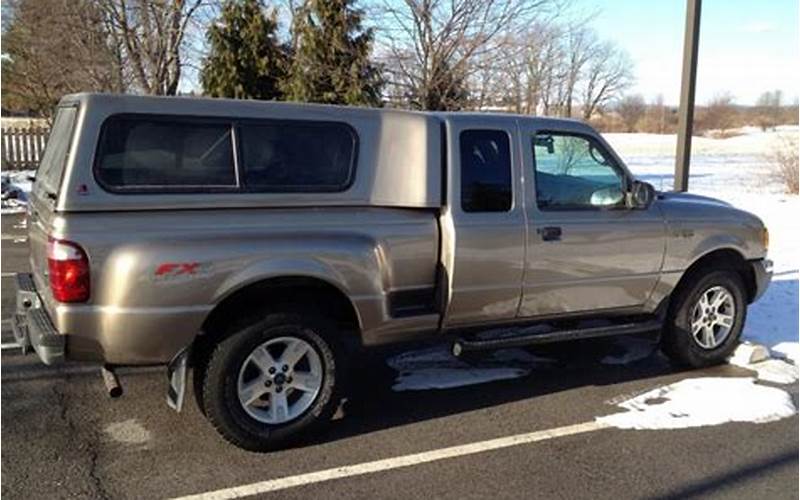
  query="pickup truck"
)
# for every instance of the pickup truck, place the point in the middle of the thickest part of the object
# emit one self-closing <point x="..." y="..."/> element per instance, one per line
<point x="254" y="246"/>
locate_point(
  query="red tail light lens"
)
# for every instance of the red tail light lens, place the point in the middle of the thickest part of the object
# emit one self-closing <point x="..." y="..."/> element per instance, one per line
<point x="69" y="271"/>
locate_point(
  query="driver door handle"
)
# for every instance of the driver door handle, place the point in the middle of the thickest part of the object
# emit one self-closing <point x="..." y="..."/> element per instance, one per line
<point x="550" y="233"/>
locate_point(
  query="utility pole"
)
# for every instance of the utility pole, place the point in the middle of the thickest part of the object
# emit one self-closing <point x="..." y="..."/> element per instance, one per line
<point x="688" y="80"/>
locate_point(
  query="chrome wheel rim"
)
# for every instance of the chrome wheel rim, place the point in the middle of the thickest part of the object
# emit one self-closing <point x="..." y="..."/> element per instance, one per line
<point x="713" y="317"/>
<point x="280" y="380"/>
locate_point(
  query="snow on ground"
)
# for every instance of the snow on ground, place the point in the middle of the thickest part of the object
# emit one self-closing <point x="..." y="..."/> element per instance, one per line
<point x="735" y="170"/>
<point x="16" y="187"/>
<point x="436" y="368"/>
<point x="697" y="402"/>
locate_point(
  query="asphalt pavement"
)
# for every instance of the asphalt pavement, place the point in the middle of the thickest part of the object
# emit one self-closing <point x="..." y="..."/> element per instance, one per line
<point x="62" y="437"/>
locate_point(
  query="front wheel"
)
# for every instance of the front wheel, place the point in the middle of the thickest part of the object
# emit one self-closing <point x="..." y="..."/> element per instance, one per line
<point x="272" y="382"/>
<point x="705" y="319"/>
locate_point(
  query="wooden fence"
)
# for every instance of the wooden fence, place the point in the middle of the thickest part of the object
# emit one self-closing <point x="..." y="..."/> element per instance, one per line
<point x="23" y="147"/>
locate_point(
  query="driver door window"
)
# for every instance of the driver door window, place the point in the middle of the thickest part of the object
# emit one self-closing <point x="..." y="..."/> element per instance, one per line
<point x="574" y="172"/>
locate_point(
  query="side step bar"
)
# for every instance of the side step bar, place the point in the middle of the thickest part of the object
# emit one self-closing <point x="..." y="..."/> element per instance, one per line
<point x="460" y="346"/>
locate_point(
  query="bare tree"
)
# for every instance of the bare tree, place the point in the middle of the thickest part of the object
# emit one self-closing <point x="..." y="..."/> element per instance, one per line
<point x="769" y="109"/>
<point x="153" y="35"/>
<point x="784" y="161"/>
<point x="431" y="45"/>
<point x="608" y="74"/>
<point x="56" y="47"/>
<point x="660" y="111"/>
<point x="546" y="69"/>
<point x="719" y="114"/>
<point x="582" y="45"/>
<point x="631" y="109"/>
<point x="549" y="68"/>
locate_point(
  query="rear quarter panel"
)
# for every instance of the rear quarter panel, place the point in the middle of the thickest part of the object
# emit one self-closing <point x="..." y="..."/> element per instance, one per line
<point x="157" y="275"/>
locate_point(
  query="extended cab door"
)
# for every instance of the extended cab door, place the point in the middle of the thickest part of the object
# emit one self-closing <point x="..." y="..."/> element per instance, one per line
<point x="483" y="222"/>
<point x="587" y="252"/>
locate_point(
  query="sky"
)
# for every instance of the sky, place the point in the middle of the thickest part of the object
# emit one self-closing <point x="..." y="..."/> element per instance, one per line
<point x="746" y="46"/>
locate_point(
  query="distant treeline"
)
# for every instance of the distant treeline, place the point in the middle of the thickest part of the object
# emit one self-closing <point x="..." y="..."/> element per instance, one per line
<point x="718" y="117"/>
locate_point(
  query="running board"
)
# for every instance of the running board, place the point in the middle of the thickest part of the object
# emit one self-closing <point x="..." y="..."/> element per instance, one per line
<point x="461" y="346"/>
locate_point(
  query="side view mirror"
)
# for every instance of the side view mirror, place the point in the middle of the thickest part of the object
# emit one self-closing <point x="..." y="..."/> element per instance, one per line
<point x="641" y="195"/>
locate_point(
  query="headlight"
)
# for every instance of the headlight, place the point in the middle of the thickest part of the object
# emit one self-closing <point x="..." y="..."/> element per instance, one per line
<point x="765" y="237"/>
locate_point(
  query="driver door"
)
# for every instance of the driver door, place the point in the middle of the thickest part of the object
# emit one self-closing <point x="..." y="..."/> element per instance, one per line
<point x="587" y="252"/>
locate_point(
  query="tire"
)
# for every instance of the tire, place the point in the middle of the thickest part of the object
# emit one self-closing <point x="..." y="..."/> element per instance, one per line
<point x="679" y="341"/>
<point x="238" y="364"/>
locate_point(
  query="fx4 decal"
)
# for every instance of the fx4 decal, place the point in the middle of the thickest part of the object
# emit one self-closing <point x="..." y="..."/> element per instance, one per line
<point x="176" y="268"/>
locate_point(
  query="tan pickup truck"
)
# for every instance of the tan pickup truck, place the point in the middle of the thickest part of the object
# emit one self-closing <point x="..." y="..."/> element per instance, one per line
<point x="257" y="243"/>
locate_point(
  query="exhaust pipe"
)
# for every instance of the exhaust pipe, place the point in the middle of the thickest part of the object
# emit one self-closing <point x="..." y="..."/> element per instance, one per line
<point x="111" y="381"/>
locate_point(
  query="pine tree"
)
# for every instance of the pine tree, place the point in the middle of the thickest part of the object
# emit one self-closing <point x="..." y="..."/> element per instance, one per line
<point x="331" y="61"/>
<point x="245" y="61"/>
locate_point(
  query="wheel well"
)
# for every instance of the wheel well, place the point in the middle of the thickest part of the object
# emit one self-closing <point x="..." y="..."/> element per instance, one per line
<point x="726" y="258"/>
<point x="295" y="294"/>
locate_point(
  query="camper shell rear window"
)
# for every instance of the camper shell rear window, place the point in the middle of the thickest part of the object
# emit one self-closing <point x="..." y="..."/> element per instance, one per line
<point x="54" y="158"/>
<point x="150" y="153"/>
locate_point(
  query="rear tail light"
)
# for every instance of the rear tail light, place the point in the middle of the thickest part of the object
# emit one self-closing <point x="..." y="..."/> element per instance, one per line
<point x="69" y="271"/>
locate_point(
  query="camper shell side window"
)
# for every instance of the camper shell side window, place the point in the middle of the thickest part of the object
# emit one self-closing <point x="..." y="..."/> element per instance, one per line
<point x="173" y="154"/>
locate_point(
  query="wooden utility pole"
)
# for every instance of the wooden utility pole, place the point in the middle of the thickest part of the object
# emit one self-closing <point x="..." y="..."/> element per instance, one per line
<point x="688" y="80"/>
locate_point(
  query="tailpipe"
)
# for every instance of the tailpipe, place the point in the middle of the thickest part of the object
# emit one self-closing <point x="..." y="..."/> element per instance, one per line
<point x="111" y="381"/>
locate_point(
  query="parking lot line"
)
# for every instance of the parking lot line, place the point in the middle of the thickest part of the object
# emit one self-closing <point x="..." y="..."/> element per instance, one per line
<point x="8" y="275"/>
<point x="395" y="462"/>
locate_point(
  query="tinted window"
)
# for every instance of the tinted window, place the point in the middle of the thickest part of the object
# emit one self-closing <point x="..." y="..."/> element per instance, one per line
<point x="485" y="171"/>
<point x="285" y="156"/>
<point x="575" y="172"/>
<point x="148" y="153"/>
<point x="55" y="154"/>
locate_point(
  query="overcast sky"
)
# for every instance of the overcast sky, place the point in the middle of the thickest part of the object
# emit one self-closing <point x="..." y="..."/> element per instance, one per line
<point x="746" y="46"/>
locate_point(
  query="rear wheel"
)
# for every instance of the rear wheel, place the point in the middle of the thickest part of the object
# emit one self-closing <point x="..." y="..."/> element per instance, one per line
<point x="272" y="382"/>
<point x="705" y="319"/>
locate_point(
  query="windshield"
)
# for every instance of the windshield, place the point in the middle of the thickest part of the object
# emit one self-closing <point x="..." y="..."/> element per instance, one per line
<point x="51" y="168"/>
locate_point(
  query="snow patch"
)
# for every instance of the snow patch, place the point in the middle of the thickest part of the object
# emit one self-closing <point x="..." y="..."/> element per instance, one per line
<point x="776" y="371"/>
<point x="756" y="357"/>
<point x="437" y="368"/>
<point x="698" y="402"/>
<point x="786" y="350"/>
<point x="16" y="189"/>
<point x="747" y="353"/>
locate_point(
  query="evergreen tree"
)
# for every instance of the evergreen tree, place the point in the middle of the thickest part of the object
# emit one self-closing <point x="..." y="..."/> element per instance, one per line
<point x="245" y="61"/>
<point x="331" y="59"/>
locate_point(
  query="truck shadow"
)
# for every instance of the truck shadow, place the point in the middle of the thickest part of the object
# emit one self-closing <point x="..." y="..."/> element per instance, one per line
<point x="373" y="405"/>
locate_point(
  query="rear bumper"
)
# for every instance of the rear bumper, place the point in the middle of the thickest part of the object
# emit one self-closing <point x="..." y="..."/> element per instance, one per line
<point x="32" y="326"/>
<point x="762" y="272"/>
